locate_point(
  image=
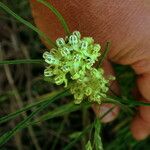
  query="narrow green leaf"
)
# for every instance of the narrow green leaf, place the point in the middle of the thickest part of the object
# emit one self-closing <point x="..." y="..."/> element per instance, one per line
<point x="97" y="139"/>
<point x="88" y="146"/>
<point x="4" y="138"/>
<point x="135" y="103"/>
<point x="62" y="110"/>
<point x="15" y="114"/>
<point x="22" y="61"/>
<point x="37" y="103"/>
<point x="104" y="54"/>
<point x="75" y="134"/>
<point x="28" y="24"/>
<point x="127" y="102"/>
<point x="58" y="112"/>
<point x="110" y="99"/>
<point x="59" y="16"/>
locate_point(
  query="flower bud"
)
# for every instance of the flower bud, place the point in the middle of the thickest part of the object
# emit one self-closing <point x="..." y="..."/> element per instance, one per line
<point x="45" y="54"/>
<point x="77" y="58"/>
<point x="60" y="42"/>
<point x="77" y="34"/>
<point x="59" y="80"/>
<point x="96" y="48"/>
<point x="64" y="51"/>
<point x="65" y="68"/>
<point x="48" y="72"/>
<point x="88" y="91"/>
<point x="84" y="45"/>
<point x="73" y="40"/>
<point x="78" y="97"/>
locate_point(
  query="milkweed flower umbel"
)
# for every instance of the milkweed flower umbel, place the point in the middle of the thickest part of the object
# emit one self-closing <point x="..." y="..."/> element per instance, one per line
<point x="71" y="64"/>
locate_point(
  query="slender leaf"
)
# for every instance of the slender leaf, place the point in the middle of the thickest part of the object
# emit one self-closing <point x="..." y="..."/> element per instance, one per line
<point x="110" y="99"/>
<point x="59" y="16"/>
<point x="37" y="103"/>
<point x="127" y="102"/>
<point x="97" y="138"/>
<point x="88" y="146"/>
<point x="104" y="54"/>
<point x="58" y="112"/>
<point x="28" y="24"/>
<point x="4" y="138"/>
<point x="62" y="110"/>
<point x="22" y="61"/>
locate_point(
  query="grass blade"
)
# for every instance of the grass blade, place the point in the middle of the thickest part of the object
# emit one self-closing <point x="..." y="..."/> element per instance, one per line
<point x="37" y="103"/>
<point x="28" y="24"/>
<point x="60" y="111"/>
<point x="127" y="102"/>
<point x="136" y="103"/>
<point x="112" y="100"/>
<point x="4" y="138"/>
<point x="97" y="138"/>
<point x="59" y="16"/>
<point x="88" y="146"/>
<point x="104" y="54"/>
<point x="22" y="61"/>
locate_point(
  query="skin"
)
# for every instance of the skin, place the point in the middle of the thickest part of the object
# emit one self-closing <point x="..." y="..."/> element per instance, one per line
<point x="126" y="24"/>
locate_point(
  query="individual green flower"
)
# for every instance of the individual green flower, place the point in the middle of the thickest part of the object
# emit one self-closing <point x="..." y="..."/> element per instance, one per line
<point x="71" y="64"/>
<point x="48" y="72"/>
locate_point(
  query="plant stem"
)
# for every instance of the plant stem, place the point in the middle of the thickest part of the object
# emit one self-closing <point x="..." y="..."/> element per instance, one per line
<point x="59" y="16"/>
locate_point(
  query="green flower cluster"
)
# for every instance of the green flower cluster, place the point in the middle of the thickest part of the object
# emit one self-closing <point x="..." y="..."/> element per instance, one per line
<point x="71" y="63"/>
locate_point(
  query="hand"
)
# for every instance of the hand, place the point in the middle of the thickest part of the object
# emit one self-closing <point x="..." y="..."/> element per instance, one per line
<point x="126" y="24"/>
